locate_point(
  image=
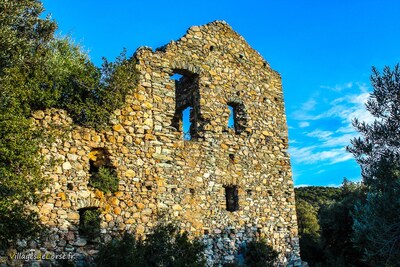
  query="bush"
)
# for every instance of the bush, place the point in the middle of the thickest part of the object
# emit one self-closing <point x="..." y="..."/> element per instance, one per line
<point x="89" y="225"/>
<point x="259" y="254"/>
<point x="164" y="247"/>
<point x="105" y="179"/>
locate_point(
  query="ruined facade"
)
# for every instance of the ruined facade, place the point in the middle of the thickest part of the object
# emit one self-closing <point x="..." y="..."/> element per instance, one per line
<point x="227" y="178"/>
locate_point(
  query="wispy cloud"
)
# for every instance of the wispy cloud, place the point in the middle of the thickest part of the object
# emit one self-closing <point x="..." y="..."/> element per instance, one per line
<point x="325" y="142"/>
<point x="309" y="105"/>
<point x="304" y="124"/>
<point x="313" y="155"/>
<point x="321" y="135"/>
<point x="338" y="87"/>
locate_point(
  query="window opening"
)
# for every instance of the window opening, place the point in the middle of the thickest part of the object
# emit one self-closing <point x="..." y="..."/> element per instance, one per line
<point x="187" y="104"/>
<point x="186" y="123"/>
<point x="231" y="120"/>
<point x="232" y="198"/>
<point x="89" y="222"/>
<point x="103" y="175"/>
<point x="237" y="117"/>
<point x="232" y="158"/>
<point x="191" y="190"/>
<point x="70" y="186"/>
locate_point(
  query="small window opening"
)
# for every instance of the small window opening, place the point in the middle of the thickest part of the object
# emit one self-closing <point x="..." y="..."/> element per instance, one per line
<point x="212" y="48"/>
<point x="149" y="187"/>
<point x="173" y="190"/>
<point x="249" y="192"/>
<point x="191" y="190"/>
<point x="264" y="64"/>
<point x="89" y="222"/>
<point x="232" y="158"/>
<point x="103" y="175"/>
<point x="231" y="120"/>
<point x="70" y="186"/>
<point x="206" y="232"/>
<point x="232" y="198"/>
<point x="237" y="117"/>
<point x="241" y="55"/>
<point x="186" y="123"/>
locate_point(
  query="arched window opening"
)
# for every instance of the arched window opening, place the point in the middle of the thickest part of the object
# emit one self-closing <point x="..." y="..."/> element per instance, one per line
<point x="103" y="174"/>
<point x="89" y="222"/>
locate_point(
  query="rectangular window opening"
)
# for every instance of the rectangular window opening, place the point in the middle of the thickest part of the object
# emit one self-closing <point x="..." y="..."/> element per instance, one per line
<point x="187" y="106"/>
<point x="231" y="120"/>
<point x="232" y="198"/>
<point x="237" y="117"/>
<point x="186" y="123"/>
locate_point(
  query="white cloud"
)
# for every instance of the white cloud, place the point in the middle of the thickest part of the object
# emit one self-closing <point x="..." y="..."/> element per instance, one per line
<point x="309" y="105"/>
<point x="325" y="144"/>
<point x="339" y="141"/>
<point x="302" y="185"/>
<point x="311" y="155"/>
<point x="304" y="124"/>
<point x="321" y="135"/>
<point x="338" y="87"/>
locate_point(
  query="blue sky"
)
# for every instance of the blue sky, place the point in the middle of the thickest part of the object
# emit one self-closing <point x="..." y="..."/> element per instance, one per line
<point x="324" y="51"/>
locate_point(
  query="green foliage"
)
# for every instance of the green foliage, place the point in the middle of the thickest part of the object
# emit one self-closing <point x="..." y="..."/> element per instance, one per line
<point x="336" y="227"/>
<point x="22" y="36"/>
<point x="39" y="71"/>
<point x="166" y="246"/>
<point x="309" y="201"/>
<point x="259" y="254"/>
<point x="377" y="228"/>
<point x="325" y="224"/>
<point x="317" y="196"/>
<point x="376" y="221"/>
<point x="89" y="224"/>
<point x="309" y="231"/>
<point x="105" y="179"/>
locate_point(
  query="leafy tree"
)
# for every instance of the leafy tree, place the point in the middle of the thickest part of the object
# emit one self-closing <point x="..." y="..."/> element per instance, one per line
<point x="309" y="201"/>
<point x="309" y="231"/>
<point x="336" y="223"/>
<point x="325" y="222"/>
<point x="317" y="196"/>
<point x="38" y="71"/>
<point x="376" y="222"/>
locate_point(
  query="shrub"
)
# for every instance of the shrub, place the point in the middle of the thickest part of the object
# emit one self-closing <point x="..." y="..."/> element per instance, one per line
<point x="105" y="179"/>
<point x="259" y="254"/>
<point x="89" y="224"/>
<point x="166" y="246"/>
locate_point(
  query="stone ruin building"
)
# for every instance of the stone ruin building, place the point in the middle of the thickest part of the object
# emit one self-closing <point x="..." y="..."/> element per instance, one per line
<point x="225" y="176"/>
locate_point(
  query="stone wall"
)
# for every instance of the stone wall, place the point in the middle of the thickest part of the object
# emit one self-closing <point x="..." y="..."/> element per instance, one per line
<point x="164" y="177"/>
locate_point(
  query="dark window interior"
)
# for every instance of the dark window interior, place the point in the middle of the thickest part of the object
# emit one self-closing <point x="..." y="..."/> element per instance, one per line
<point x="232" y="198"/>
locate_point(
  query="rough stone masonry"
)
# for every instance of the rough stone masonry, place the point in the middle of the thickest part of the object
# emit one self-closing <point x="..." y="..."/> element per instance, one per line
<point x="225" y="176"/>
